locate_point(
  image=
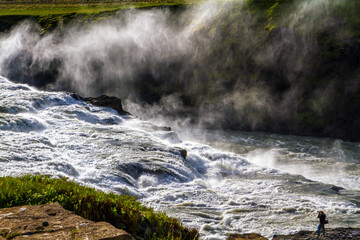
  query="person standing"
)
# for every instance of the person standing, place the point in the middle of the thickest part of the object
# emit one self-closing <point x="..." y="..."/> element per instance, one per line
<point x="322" y="217"/>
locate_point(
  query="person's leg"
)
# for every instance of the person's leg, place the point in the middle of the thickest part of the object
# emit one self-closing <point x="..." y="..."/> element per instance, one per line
<point x="318" y="231"/>
<point x="323" y="227"/>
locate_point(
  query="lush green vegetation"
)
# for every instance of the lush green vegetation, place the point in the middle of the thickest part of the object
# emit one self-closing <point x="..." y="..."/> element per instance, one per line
<point x="120" y="210"/>
<point x="49" y="14"/>
<point x="43" y="9"/>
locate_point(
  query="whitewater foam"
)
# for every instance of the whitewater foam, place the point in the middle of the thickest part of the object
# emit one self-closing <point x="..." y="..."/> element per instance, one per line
<point x="252" y="187"/>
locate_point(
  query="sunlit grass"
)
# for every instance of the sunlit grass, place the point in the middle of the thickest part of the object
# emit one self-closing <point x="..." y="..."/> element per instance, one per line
<point x="40" y="9"/>
<point x="122" y="211"/>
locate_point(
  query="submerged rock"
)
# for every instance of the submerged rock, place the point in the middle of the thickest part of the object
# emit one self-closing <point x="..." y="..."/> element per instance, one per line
<point x="52" y="221"/>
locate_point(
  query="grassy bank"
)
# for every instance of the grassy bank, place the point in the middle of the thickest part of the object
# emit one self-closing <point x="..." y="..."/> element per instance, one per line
<point x="50" y="14"/>
<point x="122" y="211"/>
<point x="41" y="9"/>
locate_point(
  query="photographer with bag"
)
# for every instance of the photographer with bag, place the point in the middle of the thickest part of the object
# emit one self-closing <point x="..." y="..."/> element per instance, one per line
<point x="323" y="221"/>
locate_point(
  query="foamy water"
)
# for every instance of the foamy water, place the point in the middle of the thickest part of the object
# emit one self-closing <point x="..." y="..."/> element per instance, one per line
<point x="230" y="182"/>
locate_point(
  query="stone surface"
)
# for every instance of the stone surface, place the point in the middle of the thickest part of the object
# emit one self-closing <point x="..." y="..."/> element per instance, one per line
<point x="183" y="153"/>
<point x="160" y="128"/>
<point x="27" y="222"/>
<point x="331" y="234"/>
<point x="251" y="236"/>
<point x="104" y="101"/>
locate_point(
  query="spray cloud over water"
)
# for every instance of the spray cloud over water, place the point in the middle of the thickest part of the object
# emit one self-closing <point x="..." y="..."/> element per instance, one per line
<point x="92" y="60"/>
<point x="270" y="66"/>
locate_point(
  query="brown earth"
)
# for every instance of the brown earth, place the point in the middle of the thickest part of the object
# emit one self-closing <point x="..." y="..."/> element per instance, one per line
<point x="52" y="221"/>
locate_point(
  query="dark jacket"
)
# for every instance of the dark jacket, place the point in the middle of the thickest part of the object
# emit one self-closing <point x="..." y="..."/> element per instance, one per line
<point x="322" y="217"/>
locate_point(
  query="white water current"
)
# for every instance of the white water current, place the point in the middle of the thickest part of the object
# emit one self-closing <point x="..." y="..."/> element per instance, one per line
<point x="230" y="182"/>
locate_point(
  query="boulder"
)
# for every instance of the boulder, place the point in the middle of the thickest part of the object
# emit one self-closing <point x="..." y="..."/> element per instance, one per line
<point x="182" y="152"/>
<point x="336" y="188"/>
<point x="160" y="128"/>
<point x="52" y="221"/>
<point x="103" y="101"/>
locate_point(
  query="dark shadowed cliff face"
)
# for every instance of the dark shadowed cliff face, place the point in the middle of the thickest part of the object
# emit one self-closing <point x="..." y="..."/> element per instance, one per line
<point x="278" y="66"/>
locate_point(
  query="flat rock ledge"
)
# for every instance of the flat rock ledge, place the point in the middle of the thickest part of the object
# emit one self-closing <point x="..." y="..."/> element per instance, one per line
<point x="52" y="221"/>
<point x="331" y="234"/>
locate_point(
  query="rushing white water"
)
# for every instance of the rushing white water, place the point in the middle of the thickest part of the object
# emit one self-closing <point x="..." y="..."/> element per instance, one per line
<point x="231" y="182"/>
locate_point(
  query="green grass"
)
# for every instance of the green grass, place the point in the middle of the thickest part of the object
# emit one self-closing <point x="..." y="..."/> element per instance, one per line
<point x="40" y="9"/>
<point x="122" y="211"/>
<point x="49" y="16"/>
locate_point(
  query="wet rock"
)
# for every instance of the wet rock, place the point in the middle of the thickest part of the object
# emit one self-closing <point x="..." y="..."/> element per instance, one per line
<point x="251" y="236"/>
<point x="106" y="101"/>
<point x="161" y="128"/>
<point x="103" y="101"/>
<point x="337" y="233"/>
<point x="76" y="96"/>
<point x="52" y="221"/>
<point x="182" y="152"/>
<point x="336" y="188"/>
<point x="331" y="234"/>
<point x="156" y="128"/>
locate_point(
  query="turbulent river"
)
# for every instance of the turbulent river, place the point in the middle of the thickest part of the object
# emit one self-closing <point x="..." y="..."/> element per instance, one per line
<point x="229" y="182"/>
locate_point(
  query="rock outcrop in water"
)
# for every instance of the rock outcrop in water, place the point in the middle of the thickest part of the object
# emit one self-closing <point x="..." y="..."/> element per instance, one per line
<point x="52" y="221"/>
<point x="103" y="101"/>
<point x="106" y="101"/>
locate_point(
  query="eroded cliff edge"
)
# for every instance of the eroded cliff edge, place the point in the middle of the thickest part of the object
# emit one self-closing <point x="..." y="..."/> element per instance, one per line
<point x="52" y="221"/>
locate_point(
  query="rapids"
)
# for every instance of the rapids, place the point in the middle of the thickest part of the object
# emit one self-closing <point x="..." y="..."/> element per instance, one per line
<point x="229" y="182"/>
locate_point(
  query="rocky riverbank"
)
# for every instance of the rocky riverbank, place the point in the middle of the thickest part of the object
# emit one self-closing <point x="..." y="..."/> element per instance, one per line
<point x="331" y="234"/>
<point x="52" y="221"/>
